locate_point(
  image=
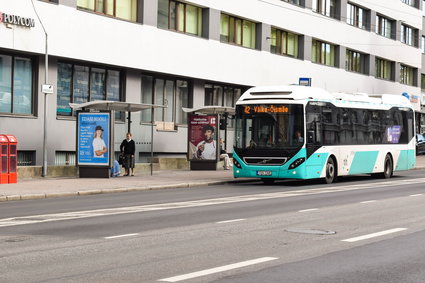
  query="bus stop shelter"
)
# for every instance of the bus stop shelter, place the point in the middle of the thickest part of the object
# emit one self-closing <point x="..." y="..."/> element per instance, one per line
<point x="200" y="121"/>
<point x="100" y="115"/>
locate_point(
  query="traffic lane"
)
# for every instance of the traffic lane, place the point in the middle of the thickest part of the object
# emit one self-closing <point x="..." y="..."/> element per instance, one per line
<point x="190" y="213"/>
<point x="158" y="254"/>
<point x="65" y="204"/>
<point x="394" y="260"/>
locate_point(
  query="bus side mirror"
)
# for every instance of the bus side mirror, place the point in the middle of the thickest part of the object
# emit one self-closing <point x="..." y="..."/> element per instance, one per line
<point x="311" y="137"/>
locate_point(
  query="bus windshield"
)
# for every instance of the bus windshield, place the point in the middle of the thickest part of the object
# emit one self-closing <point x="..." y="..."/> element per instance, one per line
<point x="269" y="126"/>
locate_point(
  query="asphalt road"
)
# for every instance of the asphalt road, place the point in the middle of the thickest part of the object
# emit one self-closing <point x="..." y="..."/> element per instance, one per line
<point x="358" y="230"/>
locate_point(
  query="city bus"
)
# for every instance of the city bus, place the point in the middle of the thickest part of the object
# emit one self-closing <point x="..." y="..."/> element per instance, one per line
<point x="301" y="132"/>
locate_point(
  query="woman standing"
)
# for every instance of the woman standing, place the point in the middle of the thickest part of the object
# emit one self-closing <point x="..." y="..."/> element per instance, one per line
<point x="128" y="148"/>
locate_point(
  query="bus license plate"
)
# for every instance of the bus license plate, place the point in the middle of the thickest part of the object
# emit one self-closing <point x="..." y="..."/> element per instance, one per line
<point x="264" y="173"/>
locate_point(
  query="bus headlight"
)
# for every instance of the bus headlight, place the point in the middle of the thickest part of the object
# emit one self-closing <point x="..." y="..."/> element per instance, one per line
<point x="236" y="163"/>
<point x="297" y="163"/>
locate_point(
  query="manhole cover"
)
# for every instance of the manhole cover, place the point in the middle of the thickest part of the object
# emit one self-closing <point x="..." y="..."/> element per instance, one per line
<point x="310" y="231"/>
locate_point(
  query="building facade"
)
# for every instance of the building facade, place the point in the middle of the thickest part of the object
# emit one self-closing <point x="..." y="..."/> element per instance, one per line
<point x="191" y="54"/>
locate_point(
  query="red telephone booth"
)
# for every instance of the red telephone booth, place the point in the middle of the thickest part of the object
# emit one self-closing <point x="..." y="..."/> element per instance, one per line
<point x="4" y="159"/>
<point x="13" y="159"/>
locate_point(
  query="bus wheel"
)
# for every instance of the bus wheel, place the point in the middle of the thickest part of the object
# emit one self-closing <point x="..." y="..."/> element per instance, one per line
<point x="331" y="174"/>
<point x="267" y="181"/>
<point x="388" y="167"/>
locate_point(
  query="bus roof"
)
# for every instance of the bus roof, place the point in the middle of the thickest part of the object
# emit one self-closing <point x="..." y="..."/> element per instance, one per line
<point x="305" y="93"/>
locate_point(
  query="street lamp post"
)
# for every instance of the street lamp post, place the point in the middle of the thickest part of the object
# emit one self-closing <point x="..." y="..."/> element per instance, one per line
<point x="46" y="80"/>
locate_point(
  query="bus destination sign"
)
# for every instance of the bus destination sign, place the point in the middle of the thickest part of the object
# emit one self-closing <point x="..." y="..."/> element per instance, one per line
<point x="266" y="109"/>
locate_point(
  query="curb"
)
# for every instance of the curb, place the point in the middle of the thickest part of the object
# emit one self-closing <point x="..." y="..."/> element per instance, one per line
<point x="4" y="198"/>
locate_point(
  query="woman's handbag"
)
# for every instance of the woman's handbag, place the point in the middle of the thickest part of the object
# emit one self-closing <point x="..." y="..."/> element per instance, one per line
<point x="121" y="159"/>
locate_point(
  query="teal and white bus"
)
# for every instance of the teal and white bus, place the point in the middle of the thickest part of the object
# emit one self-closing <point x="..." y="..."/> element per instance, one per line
<point x="305" y="133"/>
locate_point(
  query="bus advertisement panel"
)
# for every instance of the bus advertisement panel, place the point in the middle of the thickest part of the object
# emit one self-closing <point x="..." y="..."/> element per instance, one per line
<point x="202" y="137"/>
<point x="93" y="138"/>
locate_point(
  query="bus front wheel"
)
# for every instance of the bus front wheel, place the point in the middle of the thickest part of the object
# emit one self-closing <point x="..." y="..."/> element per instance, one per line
<point x="388" y="167"/>
<point x="331" y="174"/>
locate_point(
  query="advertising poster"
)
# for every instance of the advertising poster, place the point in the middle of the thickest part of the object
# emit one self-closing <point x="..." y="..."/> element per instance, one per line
<point x="93" y="139"/>
<point x="202" y="137"/>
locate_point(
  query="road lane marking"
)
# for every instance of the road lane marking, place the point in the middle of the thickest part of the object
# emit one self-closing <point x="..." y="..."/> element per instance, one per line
<point x="122" y="236"/>
<point x="34" y="219"/>
<point x="368" y="201"/>
<point x="307" y="210"/>
<point x="373" y="235"/>
<point x="230" y="221"/>
<point x="217" y="269"/>
<point x="417" y="195"/>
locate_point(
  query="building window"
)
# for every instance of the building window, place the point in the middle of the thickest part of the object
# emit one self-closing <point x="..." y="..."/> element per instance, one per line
<point x="174" y="93"/>
<point x="296" y="2"/>
<point x="79" y="84"/>
<point x="385" y="27"/>
<point x="237" y="31"/>
<point x="180" y="16"/>
<point x="408" y="35"/>
<point x="384" y="69"/>
<point x="16" y="85"/>
<point x="407" y="75"/>
<point x="283" y="42"/>
<point x="356" y="16"/>
<point x="325" y="7"/>
<point x="323" y="53"/>
<point x="65" y="158"/>
<point x="221" y="95"/>
<point x="26" y="157"/>
<point x="410" y="2"/>
<point x="355" y="61"/>
<point x="123" y="9"/>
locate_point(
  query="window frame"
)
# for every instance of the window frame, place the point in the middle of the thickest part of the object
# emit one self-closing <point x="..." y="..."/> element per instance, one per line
<point x="236" y="32"/>
<point x="279" y="48"/>
<point x="407" y="75"/>
<point x="355" y="10"/>
<point x="319" y="53"/>
<point x="381" y="26"/>
<point x="377" y="67"/>
<point x="350" y="66"/>
<point x="321" y="6"/>
<point x="34" y="80"/>
<point x="153" y="95"/>
<point x="90" y="67"/>
<point x="104" y="9"/>
<point x="173" y="24"/>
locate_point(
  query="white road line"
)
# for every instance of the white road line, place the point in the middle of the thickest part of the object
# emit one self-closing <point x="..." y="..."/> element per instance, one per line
<point x="368" y="201"/>
<point x="373" y="235"/>
<point x="417" y="195"/>
<point x="307" y="210"/>
<point x="230" y="221"/>
<point x="122" y="236"/>
<point x="217" y="269"/>
<point x="33" y="219"/>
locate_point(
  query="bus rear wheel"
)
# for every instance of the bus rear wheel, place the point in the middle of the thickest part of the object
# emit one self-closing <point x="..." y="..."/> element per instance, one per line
<point x="331" y="174"/>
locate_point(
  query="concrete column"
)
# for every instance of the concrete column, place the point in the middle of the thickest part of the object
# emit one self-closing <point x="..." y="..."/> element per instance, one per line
<point x="308" y="4"/>
<point x="262" y="39"/>
<point x="340" y="57"/>
<point x="70" y="3"/>
<point x="304" y="46"/>
<point x="147" y="12"/>
<point x="371" y="25"/>
<point x="211" y="23"/>
<point x="396" y="72"/>
<point x="371" y="65"/>
<point x="342" y="15"/>
<point x="397" y="31"/>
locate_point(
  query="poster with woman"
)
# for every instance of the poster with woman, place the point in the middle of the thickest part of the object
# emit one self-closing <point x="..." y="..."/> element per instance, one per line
<point x="93" y="138"/>
<point x="202" y="137"/>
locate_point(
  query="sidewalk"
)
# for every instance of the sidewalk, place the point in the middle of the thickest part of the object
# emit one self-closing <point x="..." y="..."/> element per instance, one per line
<point x="60" y="187"/>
